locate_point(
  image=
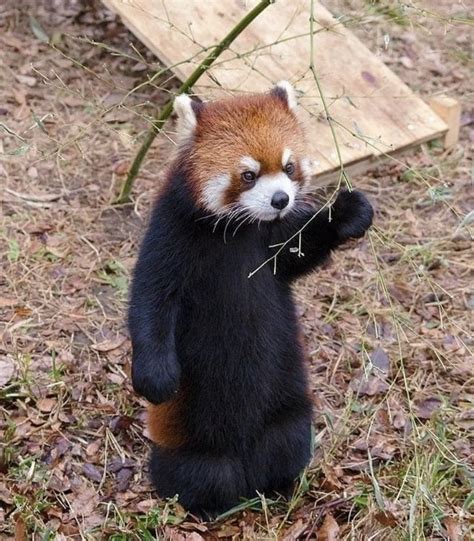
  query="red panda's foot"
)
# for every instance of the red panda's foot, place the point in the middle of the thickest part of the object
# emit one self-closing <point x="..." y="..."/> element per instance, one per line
<point x="282" y="453"/>
<point x="352" y="215"/>
<point x="206" y="484"/>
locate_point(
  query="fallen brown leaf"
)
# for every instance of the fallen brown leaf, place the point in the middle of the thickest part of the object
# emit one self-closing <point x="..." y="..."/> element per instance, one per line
<point x="379" y="446"/>
<point x="144" y="506"/>
<point x="225" y="532"/>
<point x="26" y="80"/>
<point x="386" y="518"/>
<point x="93" y="448"/>
<point x="23" y="311"/>
<point x="381" y="361"/>
<point x="426" y="407"/>
<point x="194" y="536"/>
<point x="121" y="167"/>
<point x="453" y="529"/>
<point x="46" y="405"/>
<point x="329" y="530"/>
<point x="368" y="385"/>
<point x="5" y="495"/>
<point x="173" y="534"/>
<point x="466" y="419"/>
<point x="20" y="530"/>
<point x="38" y="228"/>
<point x="295" y="531"/>
<point x="110" y="344"/>
<point x="373" y="382"/>
<point x="92" y="472"/>
<point x="331" y="477"/>
<point x="399" y="420"/>
<point x="124" y="476"/>
<point x="85" y="502"/>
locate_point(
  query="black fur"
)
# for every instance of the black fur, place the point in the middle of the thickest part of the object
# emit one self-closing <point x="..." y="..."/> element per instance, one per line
<point x="280" y="93"/>
<point x="199" y="323"/>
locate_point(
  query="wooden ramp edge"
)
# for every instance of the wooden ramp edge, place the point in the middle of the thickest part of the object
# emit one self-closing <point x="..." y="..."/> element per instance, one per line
<point x="375" y="114"/>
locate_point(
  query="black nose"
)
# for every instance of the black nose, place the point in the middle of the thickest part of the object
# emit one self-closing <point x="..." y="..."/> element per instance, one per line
<point x="280" y="200"/>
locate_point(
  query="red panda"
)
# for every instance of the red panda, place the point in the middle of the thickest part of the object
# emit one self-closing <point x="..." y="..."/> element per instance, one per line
<point x="216" y="346"/>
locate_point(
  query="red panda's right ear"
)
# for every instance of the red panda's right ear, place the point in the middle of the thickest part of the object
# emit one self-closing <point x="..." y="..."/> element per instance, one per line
<point x="286" y="93"/>
<point x="187" y="111"/>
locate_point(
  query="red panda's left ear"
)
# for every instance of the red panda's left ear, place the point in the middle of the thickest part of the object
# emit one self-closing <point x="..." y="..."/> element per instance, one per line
<point x="187" y="111"/>
<point x="285" y="91"/>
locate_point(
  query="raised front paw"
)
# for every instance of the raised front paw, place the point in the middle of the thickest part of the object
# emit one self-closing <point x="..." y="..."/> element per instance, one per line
<point x="352" y="215"/>
<point x="157" y="380"/>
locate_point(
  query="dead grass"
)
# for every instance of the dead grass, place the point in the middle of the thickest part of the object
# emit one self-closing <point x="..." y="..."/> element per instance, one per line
<point x="388" y="324"/>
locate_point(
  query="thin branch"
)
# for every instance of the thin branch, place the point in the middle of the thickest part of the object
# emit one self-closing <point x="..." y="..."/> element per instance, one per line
<point x="166" y="111"/>
<point x="342" y="174"/>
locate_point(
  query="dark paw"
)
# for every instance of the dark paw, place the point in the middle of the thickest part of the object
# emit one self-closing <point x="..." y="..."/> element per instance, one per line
<point x="157" y="380"/>
<point x="352" y="215"/>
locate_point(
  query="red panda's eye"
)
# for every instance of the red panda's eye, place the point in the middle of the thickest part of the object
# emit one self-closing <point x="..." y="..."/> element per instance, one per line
<point x="290" y="169"/>
<point x="248" y="176"/>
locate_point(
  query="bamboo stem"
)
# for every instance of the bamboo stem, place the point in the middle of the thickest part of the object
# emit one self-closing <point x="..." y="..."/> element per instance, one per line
<point x="166" y="111"/>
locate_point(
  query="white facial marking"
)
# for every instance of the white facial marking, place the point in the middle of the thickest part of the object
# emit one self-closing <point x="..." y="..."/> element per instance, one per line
<point x="186" y="116"/>
<point x="305" y="165"/>
<point x="214" y="192"/>
<point x="258" y="200"/>
<point x="290" y="92"/>
<point x="249" y="164"/>
<point x="285" y="157"/>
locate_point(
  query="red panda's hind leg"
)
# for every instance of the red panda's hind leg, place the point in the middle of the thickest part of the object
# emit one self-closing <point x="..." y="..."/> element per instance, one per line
<point x="206" y="484"/>
<point x="281" y="454"/>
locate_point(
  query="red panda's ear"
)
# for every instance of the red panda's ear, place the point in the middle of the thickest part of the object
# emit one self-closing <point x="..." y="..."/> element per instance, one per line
<point x="284" y="91"/>
<point x="187" y="111"/>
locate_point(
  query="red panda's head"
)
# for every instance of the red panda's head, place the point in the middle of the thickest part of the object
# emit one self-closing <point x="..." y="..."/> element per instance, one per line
<point x="245" y="154"/>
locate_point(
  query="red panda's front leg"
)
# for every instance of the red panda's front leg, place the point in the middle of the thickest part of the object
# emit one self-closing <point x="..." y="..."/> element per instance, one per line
<point x="155" y="368"/>
<point x="153" y="310"/>
<point x="351" y="216"/>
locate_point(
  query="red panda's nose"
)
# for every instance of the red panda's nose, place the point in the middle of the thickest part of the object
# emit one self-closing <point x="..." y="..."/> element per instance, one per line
<point x="280" y="200"/>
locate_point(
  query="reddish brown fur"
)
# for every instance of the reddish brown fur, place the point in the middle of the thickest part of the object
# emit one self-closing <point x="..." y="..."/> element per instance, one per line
<point x="260" y="126"/>
<point x="165" y="423"/>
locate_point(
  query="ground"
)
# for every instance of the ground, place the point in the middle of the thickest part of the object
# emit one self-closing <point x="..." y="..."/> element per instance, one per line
<point x="388" y="323"/>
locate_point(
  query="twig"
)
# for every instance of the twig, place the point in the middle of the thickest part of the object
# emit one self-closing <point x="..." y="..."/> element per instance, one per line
<point x="157" y="126"/>
<point x="342" y="174"/>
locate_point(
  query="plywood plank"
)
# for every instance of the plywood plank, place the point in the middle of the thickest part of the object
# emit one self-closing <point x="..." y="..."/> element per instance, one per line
<point x="365" y="97"/>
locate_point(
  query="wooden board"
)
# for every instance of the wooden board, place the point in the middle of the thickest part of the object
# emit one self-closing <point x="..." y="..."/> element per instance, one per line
<point x="363" y="95"/>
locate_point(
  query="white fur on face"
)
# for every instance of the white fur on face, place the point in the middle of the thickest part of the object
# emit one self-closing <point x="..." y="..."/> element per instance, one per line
<point x="305" y="165"/>
<point x="285" y="157"/>
<point x="258" y="199"/>
<point x="249" y="164"/>
<point x="214" y="192"/>
<point x="186" y="117"/>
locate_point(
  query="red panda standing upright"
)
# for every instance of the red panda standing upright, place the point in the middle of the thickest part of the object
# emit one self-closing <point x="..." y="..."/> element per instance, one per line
<point x="218" y="353"/>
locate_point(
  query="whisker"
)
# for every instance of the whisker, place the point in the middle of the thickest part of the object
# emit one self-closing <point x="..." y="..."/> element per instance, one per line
<point x="223" y="214"/>
<point x="247" y="216"/>
<point x="231" y="217"/>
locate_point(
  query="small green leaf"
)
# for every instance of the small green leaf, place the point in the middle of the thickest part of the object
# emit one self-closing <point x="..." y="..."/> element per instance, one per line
<point x="467" y="220"/>
<point x="39" y="123"/>
<point x="19" y="151"/>
<point x="13" y="251"/>
<point x="38" y="30"/>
